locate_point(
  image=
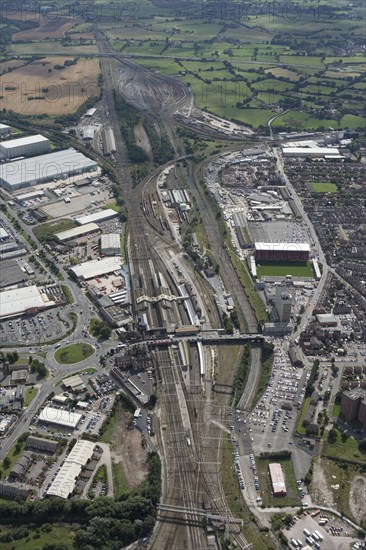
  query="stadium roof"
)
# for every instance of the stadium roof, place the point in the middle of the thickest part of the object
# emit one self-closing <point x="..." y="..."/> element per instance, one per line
<point x="283" y="247"/>
<point x="76" y="232"/>
<point x="277" y="479"/>
<point x="45" y="167"/>
<point x="65" y="481"/>
<point x="19" y="142"/>
<point x="94" y="268"/>
<point x="60" y="417"/>
<point x="97" y="216"/>
<point x="18" y="300"/>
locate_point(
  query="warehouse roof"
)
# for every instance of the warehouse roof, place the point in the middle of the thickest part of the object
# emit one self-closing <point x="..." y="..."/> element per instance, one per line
<point x="60" y="417"/>
<point x="303" y="247"/>
<point x="277" y="479"/>
<point x="90" y="112"/>
<point x="19" y="142"/>
<point x="45" y="167"/>
<point x="76" y="232"/>
<point x="18" y="300"/>
<point x="3" y="126"/>
<point x="105" y="214"/>
<point x="94" y="268"/>
<point x="73" y="382"/>
<point x="65" y="481"/>
<point x="3" y="233"/>
<point x="110" y="240"/>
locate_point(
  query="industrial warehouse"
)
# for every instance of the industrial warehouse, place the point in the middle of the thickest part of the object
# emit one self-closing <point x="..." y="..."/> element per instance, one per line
<point x="24" y="146"/>
<point x="77" y="459"/>
<point x="60" y="417"/>
<point x="24" y="301"/>
<point x="20" y="174"/>
<point x="102" y="215"/>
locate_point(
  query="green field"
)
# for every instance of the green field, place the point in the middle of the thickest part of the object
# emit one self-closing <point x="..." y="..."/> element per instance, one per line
<point x="281" y="269"/>
<point x="345" y="450"/>
<point x="46" y="231"/>
<point x="324" y="187"/>
<point x="292" y="498"/>
<point x="37" y="537"/>
<point x="74" y="353"/>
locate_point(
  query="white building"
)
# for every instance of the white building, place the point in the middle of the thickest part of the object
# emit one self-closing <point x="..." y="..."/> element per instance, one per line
<point x="97" y="268"/>
<point x="35" y="170"/>
<point x="110" y="244"/>
<point x="60" y="417"/>
<point x="4" y="129"/>
<point x="102" y="215"/>
<point x="77" y="232"/>
<point x="23" y="301"/>
<point x="25" y="146"/>
<point x="65" y="481"/>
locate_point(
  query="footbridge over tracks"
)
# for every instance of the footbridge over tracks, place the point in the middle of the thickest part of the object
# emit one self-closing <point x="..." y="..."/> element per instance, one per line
<point x="210" y="338"/>
<point x="189" y="515"/>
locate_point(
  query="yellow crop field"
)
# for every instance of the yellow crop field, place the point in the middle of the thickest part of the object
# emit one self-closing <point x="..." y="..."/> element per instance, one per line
<point x="48" y="87"/>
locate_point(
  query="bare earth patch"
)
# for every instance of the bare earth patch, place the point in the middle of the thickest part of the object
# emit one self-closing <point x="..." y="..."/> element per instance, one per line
<point x="141" y="138"/>
<point x="357" y="498"/>
<point x="127" y="448"/>
<point x="321" y="493"/>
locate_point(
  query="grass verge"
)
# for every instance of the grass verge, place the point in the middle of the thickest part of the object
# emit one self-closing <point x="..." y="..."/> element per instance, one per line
<point x="300" y="428"/>
<point x="68" y="294"/>
<point x="30" y="394"/>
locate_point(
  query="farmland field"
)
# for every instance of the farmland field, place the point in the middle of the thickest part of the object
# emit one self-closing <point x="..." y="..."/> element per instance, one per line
<point x="40" y="88"/>
<point x="47" y="29"/>
<point x="281" y="269"/>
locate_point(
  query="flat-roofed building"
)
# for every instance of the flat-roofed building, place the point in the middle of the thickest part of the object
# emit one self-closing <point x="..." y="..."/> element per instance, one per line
<point x="60" y="417"/>
<point x="23" y="301"/>
<point x="97" y="268"/>
<point x="20" y="174"/>
<point x="110" y="244"/>
<point x="4" y="129"/>
<point x="76" y="232"/>
<point x="102" y="215"/>
<point x="277" y="479"/>
<point x="65" y="481"/>
<point x="25" y="146"/>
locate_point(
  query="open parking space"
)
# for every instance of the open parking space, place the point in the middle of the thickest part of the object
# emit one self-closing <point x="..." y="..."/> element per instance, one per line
<point x="334" y="534"/>
<point x="33" y="329"/>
